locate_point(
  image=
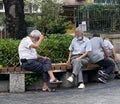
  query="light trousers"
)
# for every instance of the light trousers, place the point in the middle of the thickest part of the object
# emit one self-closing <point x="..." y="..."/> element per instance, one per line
<point x="77" y="67"/>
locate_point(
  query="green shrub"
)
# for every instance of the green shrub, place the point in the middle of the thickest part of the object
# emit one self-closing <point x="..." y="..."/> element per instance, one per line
<point x="30" y="20"/>
<point x="55" y="47"/>
<point x="9" y="52"/>
<point x="2" y="19"/>
<point x="58" y="26"/>
<point x="30" y="78"/>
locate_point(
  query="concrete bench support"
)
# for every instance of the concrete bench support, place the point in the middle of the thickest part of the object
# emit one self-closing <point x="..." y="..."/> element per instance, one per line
<point x="17" y="82"/>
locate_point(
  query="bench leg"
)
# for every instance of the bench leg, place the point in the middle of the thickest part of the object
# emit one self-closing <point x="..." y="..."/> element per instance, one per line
<point x="17" y="82"/>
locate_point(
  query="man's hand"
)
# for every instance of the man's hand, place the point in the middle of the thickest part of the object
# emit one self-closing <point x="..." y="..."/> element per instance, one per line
<point x="68" y="62"/>
<point x="46" y="58"/>
<point x="117" y="59"/>
<point x="78" y="59"/>
<point x="42" y="37"/>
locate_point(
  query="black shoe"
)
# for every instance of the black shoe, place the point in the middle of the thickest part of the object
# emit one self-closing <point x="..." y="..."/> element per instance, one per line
<point x="102" y="74"/>
<point x="101" y="79"/>
<point x="48" y="90"/>
<point x="117" y="76"/>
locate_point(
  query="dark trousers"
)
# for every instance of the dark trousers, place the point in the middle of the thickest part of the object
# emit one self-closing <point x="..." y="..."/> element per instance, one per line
<point x="39" y="65"/>
<point x="107" y="65"/>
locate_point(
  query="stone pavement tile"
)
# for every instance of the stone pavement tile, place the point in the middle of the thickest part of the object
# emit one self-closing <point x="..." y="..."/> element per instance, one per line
<point x="94" y="93"/>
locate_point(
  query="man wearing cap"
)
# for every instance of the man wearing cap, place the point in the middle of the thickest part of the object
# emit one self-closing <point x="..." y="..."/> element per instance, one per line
<point x="31" y="61"/>
<point x="79" y="48"/>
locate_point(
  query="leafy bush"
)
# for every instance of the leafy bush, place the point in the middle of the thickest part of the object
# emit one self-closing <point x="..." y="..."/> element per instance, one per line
<point x="58" y="26"/>
<point x="2" y="19"/>
<point x="55" y="47"/>
<point x="30" y="78"/>
<point x="53" y="26"/>
<point x="30" y="20"/>
<point x="8" y="52"/>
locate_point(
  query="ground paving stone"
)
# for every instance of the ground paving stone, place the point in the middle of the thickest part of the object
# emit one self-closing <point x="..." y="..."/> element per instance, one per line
<point x="94" y="93"/>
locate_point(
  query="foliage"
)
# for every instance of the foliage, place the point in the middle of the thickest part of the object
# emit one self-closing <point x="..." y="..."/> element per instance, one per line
<point x="57" y="26"/>
<point x="2" y="19"/>
<point x="8" y="52"/>
<point x="30" y="78"/>
<point x="50" y="21"/>
<point x="100" y="17"/>
<point x="30" y="20"/>
<point x="55" y="47"/>
<point x="118" y="2"/>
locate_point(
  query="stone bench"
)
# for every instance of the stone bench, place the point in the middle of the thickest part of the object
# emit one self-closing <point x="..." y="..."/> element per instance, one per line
<point x="17" y="74"/>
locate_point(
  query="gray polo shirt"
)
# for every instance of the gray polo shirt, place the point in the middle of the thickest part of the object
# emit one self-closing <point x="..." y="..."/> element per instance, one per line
<point x="97" y="53"/>
<point x="80" y="46"/>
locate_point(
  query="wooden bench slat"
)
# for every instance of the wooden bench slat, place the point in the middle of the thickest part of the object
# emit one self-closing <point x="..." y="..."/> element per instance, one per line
<point x="4" y="69"/>
<point x="11" y="69"/>
<point x="57" y="67"/>
<point x="18" y="69"/>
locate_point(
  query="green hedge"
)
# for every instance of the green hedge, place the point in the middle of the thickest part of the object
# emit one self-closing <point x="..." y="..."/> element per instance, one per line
<point x="55" y="47"/>
<point x="8" y="49"/>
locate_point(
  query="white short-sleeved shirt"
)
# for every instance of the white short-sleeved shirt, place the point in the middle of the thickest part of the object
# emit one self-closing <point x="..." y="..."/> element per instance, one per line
<point x="24" y="50"/>
<point x="80" y="46"/>
<point x="97" y="53"/>
<point x="108" y="46"/>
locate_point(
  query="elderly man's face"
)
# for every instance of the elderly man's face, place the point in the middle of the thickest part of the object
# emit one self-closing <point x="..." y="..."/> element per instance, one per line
<point x="78" y="34"/>
<point x="35" y="39"/>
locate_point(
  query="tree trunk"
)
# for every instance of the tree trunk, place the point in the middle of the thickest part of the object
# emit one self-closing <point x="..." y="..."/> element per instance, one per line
<point x="15" y="23"/>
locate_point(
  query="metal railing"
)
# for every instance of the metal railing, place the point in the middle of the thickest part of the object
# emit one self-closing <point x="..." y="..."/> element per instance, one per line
<point x="103" y="18"/>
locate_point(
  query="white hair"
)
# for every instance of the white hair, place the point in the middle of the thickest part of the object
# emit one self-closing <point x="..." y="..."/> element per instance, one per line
<point x="35" y="33"/>
<point x="78" y="29"/>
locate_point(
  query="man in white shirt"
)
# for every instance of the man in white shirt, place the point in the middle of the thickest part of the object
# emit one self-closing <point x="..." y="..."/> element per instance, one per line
<point x="113" y="56"/>
<point x="110" y="49"/>
<point x="79" y="48"/>
<point x="31" y="61"/>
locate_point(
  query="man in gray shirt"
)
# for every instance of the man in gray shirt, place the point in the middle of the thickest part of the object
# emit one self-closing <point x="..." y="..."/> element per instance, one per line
<point x="79" y="48"/>
<point x="99" y="56"/>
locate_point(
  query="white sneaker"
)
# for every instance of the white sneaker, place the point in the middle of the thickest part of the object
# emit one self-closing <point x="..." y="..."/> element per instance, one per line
<point x="70" y="79"/>
<point x="81" y="86"/>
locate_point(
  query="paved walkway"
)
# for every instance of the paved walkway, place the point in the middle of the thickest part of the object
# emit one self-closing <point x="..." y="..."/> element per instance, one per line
<point x="94" y="93"/>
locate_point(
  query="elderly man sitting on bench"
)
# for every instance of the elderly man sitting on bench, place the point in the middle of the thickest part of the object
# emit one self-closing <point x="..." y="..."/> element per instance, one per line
<point x="99" y="55"/>
<point x="31" y="61"/>
<point x="79" y="49"/>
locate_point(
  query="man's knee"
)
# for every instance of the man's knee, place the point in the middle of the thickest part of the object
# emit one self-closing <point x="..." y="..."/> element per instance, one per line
<point x="48" y="61"/>
<point x="111" y="63"/>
